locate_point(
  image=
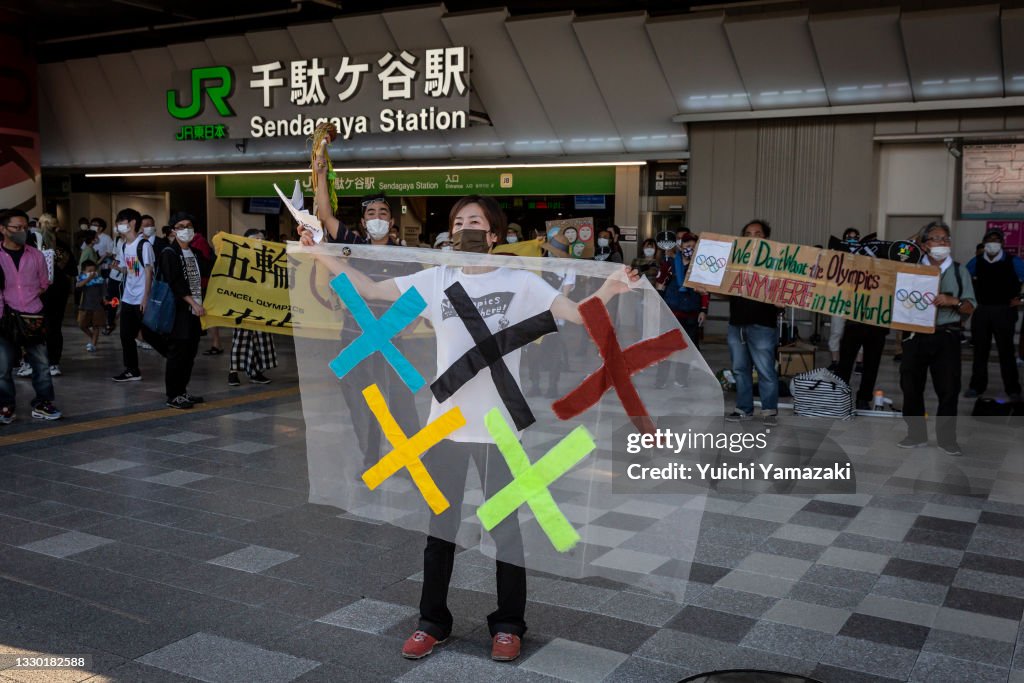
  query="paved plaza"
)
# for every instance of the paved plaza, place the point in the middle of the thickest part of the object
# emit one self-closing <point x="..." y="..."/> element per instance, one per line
<point x="180" y="546"/>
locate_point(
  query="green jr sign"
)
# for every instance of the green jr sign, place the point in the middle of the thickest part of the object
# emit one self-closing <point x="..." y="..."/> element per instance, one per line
<point x="431" y="183"/>
<point x="215" y="82"/>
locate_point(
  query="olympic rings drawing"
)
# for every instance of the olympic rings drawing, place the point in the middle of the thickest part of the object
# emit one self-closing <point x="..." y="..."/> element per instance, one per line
<point x="914" y="299"/>
<point x="709" y="263"/>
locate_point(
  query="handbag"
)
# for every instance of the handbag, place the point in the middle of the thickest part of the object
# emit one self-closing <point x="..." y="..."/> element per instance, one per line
<point x="23" y="329"/>
<point x="159" y="315"/>
<point x="821" y="393"/>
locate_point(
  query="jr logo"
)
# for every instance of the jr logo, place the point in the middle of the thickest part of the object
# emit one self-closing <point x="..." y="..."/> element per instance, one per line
<point x="201" y="82"/>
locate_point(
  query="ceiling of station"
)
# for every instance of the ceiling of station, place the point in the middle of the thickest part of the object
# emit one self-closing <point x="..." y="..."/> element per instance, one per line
<point x="561" y="84"/>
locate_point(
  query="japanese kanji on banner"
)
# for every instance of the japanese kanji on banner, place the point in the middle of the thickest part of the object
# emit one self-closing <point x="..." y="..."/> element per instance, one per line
<point x="253" y="287"/>
<point x="868" y="290"/>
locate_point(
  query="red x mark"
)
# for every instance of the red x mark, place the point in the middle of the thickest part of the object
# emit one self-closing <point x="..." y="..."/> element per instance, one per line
<point x="619" y="365"/>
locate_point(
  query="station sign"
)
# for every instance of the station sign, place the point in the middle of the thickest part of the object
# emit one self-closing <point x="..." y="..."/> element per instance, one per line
<point x="596" y="180"/>
<point x="401" y="91"/>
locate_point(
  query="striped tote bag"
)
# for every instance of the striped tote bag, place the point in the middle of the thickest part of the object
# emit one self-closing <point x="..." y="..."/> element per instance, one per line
<point x="821" y="393"/>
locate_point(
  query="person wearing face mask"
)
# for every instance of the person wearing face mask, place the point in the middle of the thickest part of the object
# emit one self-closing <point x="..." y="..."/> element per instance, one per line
<point x="55" y="299"/>
<point x="689" y="306"/>
<point x="753" y="341"/>
<point x="104" y="247"/>
<point x="181" y="268"/>
<point x="503" y="297"/>
<point x="604" y="241"/>
<point x="23" y="279"/>
<point x="376" y="219"/>
<point x="938" y="353"/>
<point x="443" y="241"/>
<point x="135" y="263"/>
<point x="647" y="262"/>
<point x="997" y="278"/>
<point x="514" y="233"/>
<point x="614" y="234"/>
<point x="149" y="231"/>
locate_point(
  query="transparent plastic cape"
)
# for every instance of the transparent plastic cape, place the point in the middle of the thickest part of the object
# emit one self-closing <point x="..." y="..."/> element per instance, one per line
<point x="471" y="397"/>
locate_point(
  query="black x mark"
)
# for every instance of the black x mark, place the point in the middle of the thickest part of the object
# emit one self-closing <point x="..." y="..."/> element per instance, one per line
<point x="488" y="352"/>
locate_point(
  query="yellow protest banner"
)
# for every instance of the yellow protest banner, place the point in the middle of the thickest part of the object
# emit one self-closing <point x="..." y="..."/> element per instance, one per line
<point x="255" y="286"/>
<point x="524" y="248"/>
<point x="868" y="290"/>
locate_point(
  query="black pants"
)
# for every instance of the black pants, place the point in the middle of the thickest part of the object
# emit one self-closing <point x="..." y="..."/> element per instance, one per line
<point x="994" y="321"/>
<point x="131" y="325"/>
<point x="181" y="356"/>
<point x="872" y="339"/>
<point x="692" y="329"/>
<point x="55" y="301"/>
<point x="938" y="354"/>
<point x="439" y="555"/>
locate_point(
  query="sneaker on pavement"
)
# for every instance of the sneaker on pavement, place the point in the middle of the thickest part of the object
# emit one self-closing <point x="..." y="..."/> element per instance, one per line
<point x="90" y="347"/>
<point x="737" y="416"/>
<point x="6" y="415"/>
<point x="233" y="379"/>
<point x="179" y="403"/>
<point x="911" y="442"/>
<point x="193" y="399"/>
<point x="419" y="645"/>
<point x="127" y="376"/>
<point x="770" y="419"/>
<point x="24" y="370"/>
<point x="505" y="647"/>
<point x="259" y="378"/>
<point x="55" y="371"/>
<point x="143" y="345"/>
<point x="951" y="448"/>
<point x="46" y="411"/>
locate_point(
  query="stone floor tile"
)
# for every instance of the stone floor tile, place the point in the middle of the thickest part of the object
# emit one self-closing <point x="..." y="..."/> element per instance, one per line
<point x="213" y="658"/>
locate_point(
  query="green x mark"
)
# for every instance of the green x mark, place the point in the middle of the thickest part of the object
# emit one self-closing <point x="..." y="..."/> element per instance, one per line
<point x="530" y="483"/>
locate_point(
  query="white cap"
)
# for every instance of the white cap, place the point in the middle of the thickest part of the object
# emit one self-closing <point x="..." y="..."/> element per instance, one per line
<point x="443" y="237"/>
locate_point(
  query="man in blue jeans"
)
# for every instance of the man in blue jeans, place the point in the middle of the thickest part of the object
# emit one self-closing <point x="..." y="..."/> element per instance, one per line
<point x="23" y="278"/>
<point x="753" y="340"/>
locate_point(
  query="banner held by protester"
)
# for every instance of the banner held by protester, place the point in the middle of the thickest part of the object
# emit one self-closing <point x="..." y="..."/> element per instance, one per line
<point x="860" y="288"/>
<point x="252" y="287"/>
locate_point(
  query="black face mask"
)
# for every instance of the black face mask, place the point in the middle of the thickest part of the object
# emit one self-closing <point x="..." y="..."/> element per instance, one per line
<point x="19" y="237"/>
<point x="474" y="241"/>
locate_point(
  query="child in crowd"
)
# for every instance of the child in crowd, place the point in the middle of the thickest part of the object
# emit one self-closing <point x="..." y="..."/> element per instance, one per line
<point x="91" y="316"/>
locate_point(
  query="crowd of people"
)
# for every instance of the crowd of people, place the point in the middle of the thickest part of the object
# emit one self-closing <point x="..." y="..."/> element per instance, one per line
<point x="114" y="282"/>
<point x="111" y="277"/>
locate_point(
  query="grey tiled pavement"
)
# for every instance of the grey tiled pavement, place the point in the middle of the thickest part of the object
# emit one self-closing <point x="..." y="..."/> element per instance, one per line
<point x="183" y="548"/>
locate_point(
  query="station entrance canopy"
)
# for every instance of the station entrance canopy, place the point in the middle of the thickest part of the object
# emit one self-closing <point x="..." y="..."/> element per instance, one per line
<point x="487" y="86"/>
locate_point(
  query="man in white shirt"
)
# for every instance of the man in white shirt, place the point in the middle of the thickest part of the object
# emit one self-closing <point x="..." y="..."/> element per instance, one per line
<point x="134" y="261"/>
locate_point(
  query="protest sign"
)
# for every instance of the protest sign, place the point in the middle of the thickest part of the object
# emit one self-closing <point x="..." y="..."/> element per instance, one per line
<point x="878" y="292"/>
<point x="578" y="233"/>
<point x="253" y="287"/>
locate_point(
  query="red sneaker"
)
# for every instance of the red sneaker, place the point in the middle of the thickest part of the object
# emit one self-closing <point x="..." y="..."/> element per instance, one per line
<point x="505" y="647"/>
<point x="419" y="645"/>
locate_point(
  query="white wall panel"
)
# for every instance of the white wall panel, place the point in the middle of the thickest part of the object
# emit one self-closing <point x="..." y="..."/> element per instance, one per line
<point x="501" y="83"/>
<point x="776" y="59"/>
<point x="630" y="79"/>
<point x="954" y="53"/>
<point x="1013" y="51"/>
<point x="697" y="62"/>
<point x="561" y="76"/>
<point x="861" y="56"/>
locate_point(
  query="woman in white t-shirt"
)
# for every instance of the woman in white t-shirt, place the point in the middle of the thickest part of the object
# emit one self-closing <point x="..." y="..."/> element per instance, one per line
<point x="502" y="297"/>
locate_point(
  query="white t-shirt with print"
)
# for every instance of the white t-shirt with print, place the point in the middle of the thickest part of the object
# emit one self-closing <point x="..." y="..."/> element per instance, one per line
<point x="503" y="297"/>
<point x="135" y="278"/>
